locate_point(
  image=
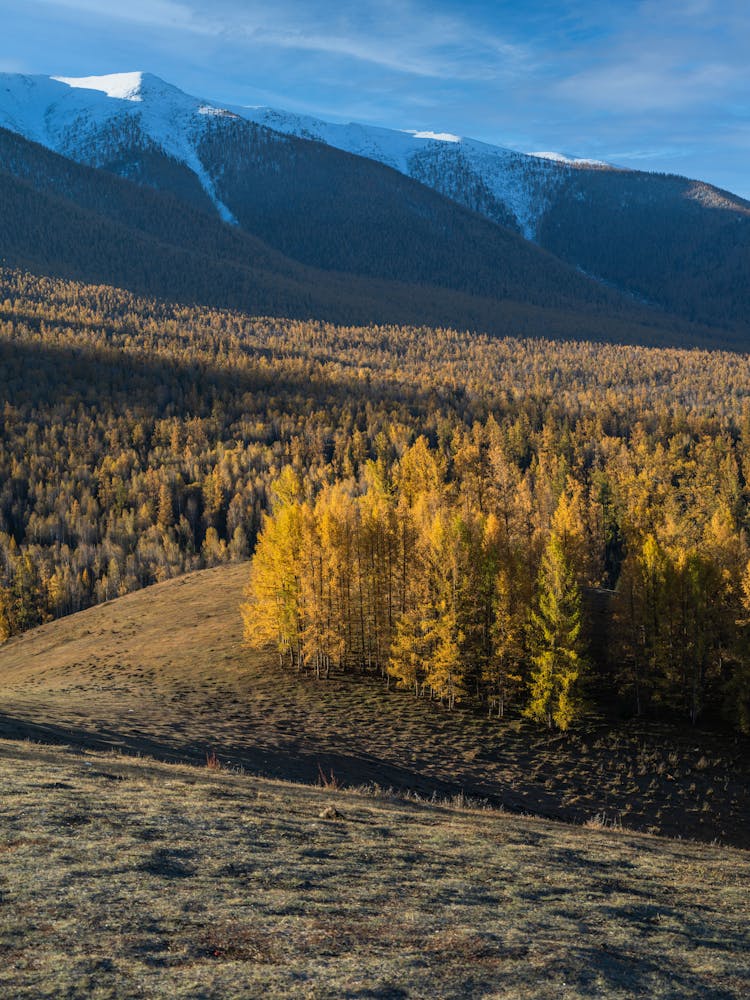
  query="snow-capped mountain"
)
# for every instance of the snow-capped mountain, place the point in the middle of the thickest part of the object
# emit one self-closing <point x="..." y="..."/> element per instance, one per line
<point x="339" y="235"/>
<point x="319" y="193"/>
<point x="89" y="118"/>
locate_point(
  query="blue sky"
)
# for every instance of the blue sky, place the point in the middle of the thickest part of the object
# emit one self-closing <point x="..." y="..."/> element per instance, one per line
<point x="653" y="84"/>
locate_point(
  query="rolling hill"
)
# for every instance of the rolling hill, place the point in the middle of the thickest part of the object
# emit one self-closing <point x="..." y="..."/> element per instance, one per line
<point x="163" y="672"/>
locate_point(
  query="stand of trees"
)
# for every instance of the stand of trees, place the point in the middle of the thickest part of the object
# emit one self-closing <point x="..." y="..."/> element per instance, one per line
<point x="458" y="584"/>
<point x="524" y="523"/>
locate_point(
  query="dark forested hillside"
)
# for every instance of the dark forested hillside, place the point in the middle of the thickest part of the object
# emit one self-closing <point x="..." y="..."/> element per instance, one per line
<point x="140" y="440"/>
<point x="63" y="219"/>
<point x="341" y="212"/>
<point x="667" y="239"/>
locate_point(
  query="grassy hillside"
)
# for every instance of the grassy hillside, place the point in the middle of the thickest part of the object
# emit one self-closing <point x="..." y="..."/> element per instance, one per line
<point x="172" y="881"/>
<point x="163" y="672"/>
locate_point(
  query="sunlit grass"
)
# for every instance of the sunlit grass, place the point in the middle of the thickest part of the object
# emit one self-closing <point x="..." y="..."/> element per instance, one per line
<point x="126" y="878"/>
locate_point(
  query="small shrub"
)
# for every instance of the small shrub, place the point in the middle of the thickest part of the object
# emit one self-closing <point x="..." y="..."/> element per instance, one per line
<point x="601" y="821"/>
<point x="328" y="780"/>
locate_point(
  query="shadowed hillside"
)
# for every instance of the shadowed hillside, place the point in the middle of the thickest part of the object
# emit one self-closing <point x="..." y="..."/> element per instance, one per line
<point x="63" y="219"/>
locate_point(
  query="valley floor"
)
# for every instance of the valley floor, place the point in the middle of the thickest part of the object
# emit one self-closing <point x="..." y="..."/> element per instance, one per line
<point x="129" y="878"/>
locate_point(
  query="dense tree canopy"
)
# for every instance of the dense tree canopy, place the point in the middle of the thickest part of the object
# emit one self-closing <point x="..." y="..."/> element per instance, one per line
<point x="429" y="477"/>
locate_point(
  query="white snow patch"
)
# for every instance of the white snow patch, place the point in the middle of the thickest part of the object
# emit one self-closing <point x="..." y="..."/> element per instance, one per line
<point x="435" y="136"/>
<point x="125" y="86"/>
<point x="571" y="161"/>
<point x="211" y="111"/>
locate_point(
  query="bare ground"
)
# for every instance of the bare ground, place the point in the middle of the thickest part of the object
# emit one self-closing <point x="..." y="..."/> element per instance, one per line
<point x="126" y="878"/>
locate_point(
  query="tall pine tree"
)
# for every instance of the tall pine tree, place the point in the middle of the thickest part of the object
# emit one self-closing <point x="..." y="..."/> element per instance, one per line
<point x="558" y="661"/>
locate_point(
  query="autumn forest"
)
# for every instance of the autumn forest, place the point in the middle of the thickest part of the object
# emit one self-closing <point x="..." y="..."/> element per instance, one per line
<point x="514" y="526"/>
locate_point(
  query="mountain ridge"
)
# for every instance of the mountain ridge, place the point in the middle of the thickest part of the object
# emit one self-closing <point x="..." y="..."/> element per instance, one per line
<point x="70" y="97"/>
<point x="304" y="187"/>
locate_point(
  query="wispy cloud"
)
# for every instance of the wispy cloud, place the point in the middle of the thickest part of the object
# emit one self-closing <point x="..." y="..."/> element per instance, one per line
<point x="662" y="154"/>
<point x="661" y="82"/>
<point x="154" y="13"/>
<point x="647" y="84"/>
<point x="402" y="37"/>
<point x="667" y="56"/>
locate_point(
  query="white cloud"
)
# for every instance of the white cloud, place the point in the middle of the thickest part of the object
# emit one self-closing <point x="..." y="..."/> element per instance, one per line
<point x="642" y="86"/>
<point x="402" y="37"/>
<point x="149" y="13"/>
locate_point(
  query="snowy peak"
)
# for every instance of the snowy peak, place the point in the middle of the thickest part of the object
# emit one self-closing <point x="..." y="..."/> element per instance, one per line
<point x="86" y="117"/>
<point x="124" y="86"/>
<point x="98" y="120"/>
<point x="137" y="87"/>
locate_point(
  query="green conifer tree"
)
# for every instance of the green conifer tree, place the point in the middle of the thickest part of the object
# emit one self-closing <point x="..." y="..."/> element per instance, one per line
<point x="406" y="663"/>
<point x="558" y="661"/>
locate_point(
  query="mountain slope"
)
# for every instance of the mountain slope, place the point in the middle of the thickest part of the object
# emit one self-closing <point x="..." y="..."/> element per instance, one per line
<point x="61" y="218"/>
<point x="320" y="206"/>
<point x="511" y="188"/>
<point x="64" y="219"/>
<point x="338" y="211"/>
<point x="681" y="243"/>
<point x="678" y="244"/>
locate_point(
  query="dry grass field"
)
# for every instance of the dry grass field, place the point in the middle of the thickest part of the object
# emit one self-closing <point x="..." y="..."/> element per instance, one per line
<point x="162" y="672"/>
<point x="125" y="878"/>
